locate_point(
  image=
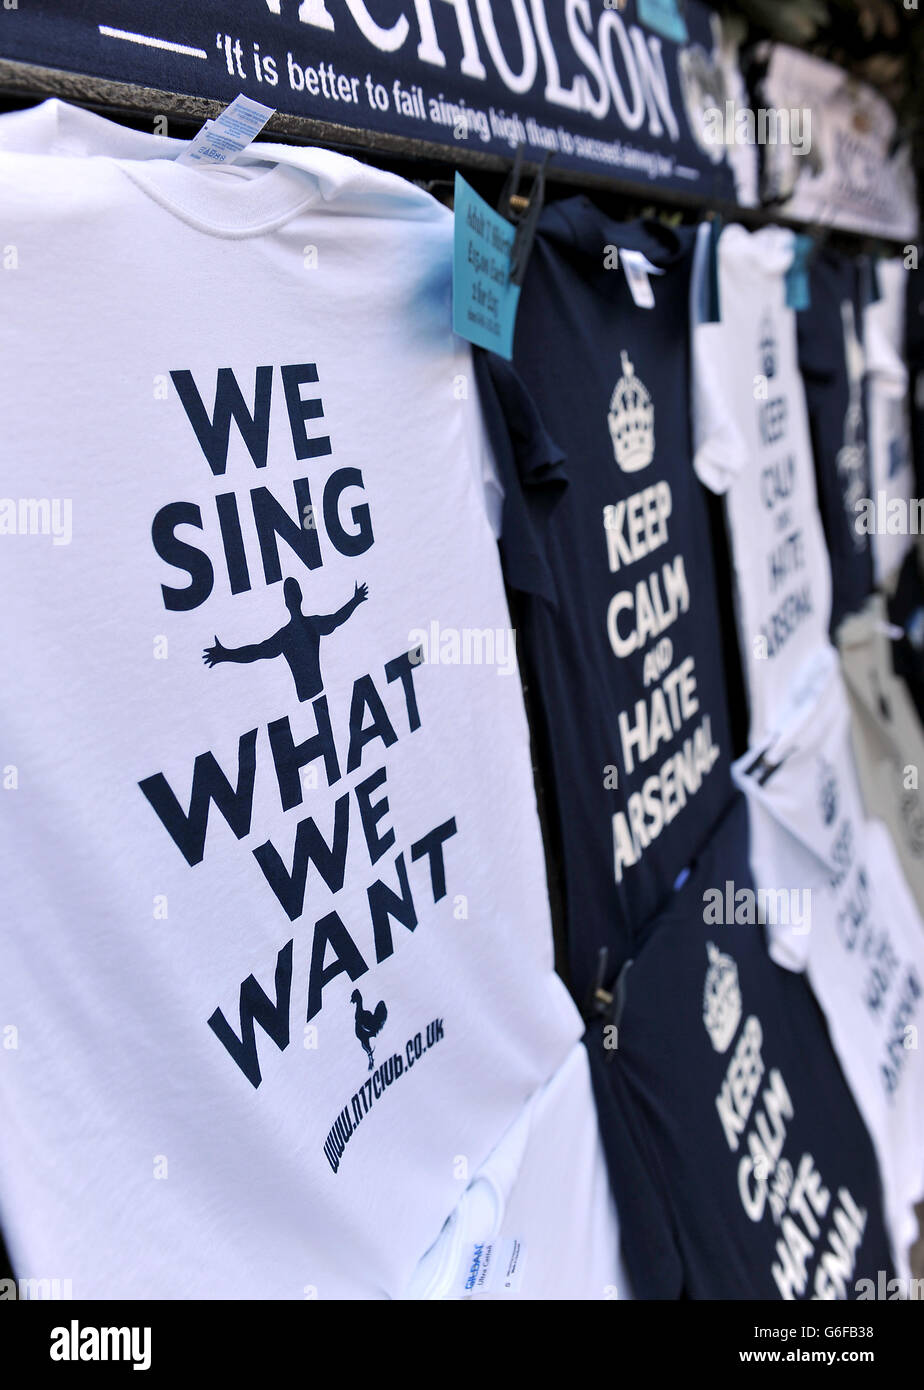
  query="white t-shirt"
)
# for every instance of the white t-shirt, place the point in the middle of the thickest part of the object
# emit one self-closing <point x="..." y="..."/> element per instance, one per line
<point x="243" y="480"/>
<point x="886" y="734"/>
<point x="888" y="421"/>
<point x="838" y="907"/>
<point x="537" y="1220"/>
<point x="753" y="445"/>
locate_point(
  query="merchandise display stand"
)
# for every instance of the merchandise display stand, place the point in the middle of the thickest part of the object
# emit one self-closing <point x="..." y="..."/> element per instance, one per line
<point x="418" y="983"/>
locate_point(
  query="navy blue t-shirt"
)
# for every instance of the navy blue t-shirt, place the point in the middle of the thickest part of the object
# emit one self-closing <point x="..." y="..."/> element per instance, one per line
<point x="610" y="549"/>
<point x="831" y="360"/>
<point x="914" y="355"/>
<point x="906" y="612"/>
<point x="906" y="602"/>
<point x="739" y="1162"/>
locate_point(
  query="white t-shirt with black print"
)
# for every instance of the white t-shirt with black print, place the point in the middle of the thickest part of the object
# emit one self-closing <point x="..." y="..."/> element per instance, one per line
<point x="276" y="953"/>
<point x="753" y="447"/>
<point x="888" y="421"/>
<point x="837" y="906"/>
<point x="886" y="736"/>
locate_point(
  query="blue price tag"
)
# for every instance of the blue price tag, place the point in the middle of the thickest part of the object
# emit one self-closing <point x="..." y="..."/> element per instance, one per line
<point x="665" y="18"/>
<point x="798" y="293"/>
<point x="484" y="303"/>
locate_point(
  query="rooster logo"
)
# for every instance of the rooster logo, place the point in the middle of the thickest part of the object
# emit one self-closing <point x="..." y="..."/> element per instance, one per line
<point x="368" y="1025"/>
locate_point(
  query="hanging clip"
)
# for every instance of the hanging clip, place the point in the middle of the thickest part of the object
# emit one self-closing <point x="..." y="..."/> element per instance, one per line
<point x="528" y="219"/>
<point x="763" y="768"/>
<point x="605" y="1005"/>
<point x="600" y="1000"/>
<point x="710" y="306"/>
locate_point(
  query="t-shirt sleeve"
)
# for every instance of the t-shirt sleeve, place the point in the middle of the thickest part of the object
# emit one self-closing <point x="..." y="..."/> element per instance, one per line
<point x="719" y="451"/>
<point x="820" y="352"/>
<point x="486" y="475"/>
<point x="820" y="326"/>
<point x="528" y="470"/>
<point x="778" y="856"/>
<point x="914" y="321"/>
<point x="883" y="360"/>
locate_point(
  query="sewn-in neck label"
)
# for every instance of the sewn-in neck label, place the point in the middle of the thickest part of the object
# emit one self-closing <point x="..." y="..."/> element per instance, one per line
<point x="494" y="1267"/>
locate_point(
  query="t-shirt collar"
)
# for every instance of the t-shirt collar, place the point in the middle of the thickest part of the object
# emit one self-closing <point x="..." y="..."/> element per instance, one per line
<point x="222" y="201"/>
<point x="582" y="229"/>
<point x="267" y="184"/>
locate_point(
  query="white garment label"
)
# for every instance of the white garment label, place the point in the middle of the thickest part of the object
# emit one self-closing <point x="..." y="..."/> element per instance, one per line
<point x="493" y="1267"/>
<point x="638" y="268"/>
<point x="222" y="140"/>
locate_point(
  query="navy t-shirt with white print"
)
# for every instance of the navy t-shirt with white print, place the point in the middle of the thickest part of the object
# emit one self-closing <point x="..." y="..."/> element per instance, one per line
<point x="739" y="1162"/>
<point x="831" y="359"/>
<point x="610" y="548"/>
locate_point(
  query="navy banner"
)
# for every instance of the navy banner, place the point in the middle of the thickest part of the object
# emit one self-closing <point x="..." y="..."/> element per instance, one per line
<point x="611" y="87"/>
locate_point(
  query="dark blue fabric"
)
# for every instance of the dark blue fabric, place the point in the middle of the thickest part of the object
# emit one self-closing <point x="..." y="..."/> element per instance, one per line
<point x="675" y="1175"/>
<point x="532" y="468"/>
<point x="906" y="611"/>
<point x="906" y="603"/>
<point x="914" y="354"/>
<point x="839" y="435"/>
<point x="576" y="320"/>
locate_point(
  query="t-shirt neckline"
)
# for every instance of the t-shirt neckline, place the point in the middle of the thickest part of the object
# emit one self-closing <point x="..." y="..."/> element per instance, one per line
<point x="216" y="202"/>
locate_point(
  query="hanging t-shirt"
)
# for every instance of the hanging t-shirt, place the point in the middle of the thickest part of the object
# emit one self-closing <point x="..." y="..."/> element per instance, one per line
<point x="619" y="623"/>
<point x="537" y="1220"/>
<point x="886" y="736"/>
<point x="753" y="446"/>
<point x="740" y="1164"/>
<point x="277" y="948"/>
<point x="840" y="910"/>
<point x="831" y="356"/>
<point x="889" y="516"/>
<point x="906" y="615"/>
<point x="914" y="358"/>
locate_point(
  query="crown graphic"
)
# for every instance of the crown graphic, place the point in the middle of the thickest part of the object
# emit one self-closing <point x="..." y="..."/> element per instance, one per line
<point x="767" y="348"/>
<point x="721" y="998"/>
<point x="631" y="420"/>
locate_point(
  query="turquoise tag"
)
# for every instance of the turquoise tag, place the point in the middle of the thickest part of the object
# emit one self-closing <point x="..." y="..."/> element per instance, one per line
<point x="484" y="303"/>
<point x="798" y="294"/>
<point x="665" y="18"/>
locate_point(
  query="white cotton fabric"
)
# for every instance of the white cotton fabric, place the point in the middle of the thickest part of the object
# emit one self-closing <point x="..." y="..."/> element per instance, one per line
<point x="753" y="447"/>
<point x="538" y="1220"/>
<point x="136" y="1156"/>
<point x="843" y="913"/>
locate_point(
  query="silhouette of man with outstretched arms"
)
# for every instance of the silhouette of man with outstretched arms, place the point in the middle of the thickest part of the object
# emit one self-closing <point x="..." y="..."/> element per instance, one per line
<point x="299" y="641"/>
